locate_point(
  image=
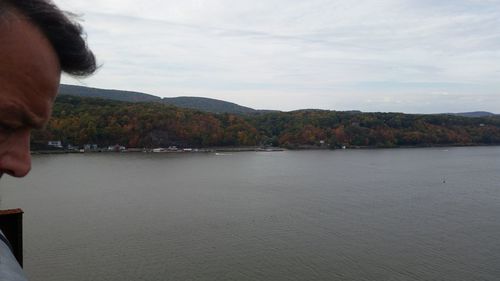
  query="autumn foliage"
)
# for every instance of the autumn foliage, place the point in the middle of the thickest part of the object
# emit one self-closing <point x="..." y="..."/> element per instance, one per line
<point x="80" y="121"/>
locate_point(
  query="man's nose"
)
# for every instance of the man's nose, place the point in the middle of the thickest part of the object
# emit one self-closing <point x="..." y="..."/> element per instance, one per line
<point x="16" y="159"/>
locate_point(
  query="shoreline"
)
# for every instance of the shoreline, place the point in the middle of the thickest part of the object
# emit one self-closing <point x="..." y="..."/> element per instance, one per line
<point x="255" y="149"/>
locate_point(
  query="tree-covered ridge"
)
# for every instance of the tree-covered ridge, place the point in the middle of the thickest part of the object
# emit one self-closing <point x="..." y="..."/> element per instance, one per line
<point x="377" y="129"/>
<point x="198" y="103"/>
<point x="80" y="121"/>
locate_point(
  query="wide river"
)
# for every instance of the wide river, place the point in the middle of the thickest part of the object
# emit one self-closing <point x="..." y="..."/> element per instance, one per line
<point x="390" y="214"/>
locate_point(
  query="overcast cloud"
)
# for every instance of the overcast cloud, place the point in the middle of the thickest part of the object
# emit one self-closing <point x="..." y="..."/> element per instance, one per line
<point x="381" y="55"/>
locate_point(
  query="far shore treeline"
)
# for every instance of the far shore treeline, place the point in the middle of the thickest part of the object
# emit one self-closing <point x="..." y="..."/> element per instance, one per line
<point x="78" y="121"/>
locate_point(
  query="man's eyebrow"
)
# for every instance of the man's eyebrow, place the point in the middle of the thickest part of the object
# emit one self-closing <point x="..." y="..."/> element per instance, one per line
<point x="18" y="115"/>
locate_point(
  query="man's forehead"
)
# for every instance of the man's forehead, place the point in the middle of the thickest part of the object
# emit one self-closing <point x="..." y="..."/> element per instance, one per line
<point x="29" y="71"/>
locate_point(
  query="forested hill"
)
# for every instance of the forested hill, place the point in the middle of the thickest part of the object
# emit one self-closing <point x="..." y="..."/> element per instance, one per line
<point x="80" y="121"/>
<point x="474" y="114"/>
<point x="199" y="103"/>
<point x="209" y="105"/>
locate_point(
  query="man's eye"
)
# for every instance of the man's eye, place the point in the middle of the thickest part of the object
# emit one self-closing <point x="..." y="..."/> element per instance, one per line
<point x="5" y="132"/>
<point x="6" y="129"/>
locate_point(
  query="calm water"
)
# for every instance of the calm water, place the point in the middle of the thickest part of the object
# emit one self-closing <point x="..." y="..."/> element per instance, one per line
<point x="309" y="215"/>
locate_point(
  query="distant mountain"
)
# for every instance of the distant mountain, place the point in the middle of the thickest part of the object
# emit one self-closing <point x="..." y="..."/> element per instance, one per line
<point x="87" y="92"/>
<point x="209" y="105"/>
<point x="474" y="114"/>
<point x="199" y="103"/>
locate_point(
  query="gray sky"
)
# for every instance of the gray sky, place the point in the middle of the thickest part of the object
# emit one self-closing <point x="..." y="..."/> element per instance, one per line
<point x="415" y="56"/>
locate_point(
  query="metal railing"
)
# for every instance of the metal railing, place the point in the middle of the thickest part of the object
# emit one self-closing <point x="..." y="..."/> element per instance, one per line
<point x="11" y="224"/>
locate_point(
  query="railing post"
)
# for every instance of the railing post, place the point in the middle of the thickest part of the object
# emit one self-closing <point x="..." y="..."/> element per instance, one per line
<point x="11" y="224"/>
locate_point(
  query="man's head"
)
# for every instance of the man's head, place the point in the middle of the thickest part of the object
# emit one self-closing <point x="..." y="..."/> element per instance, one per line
<point x="37" y="43"/>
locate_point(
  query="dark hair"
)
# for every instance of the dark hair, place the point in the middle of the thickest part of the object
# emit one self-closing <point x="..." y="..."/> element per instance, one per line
<point x="65" y="35"/>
